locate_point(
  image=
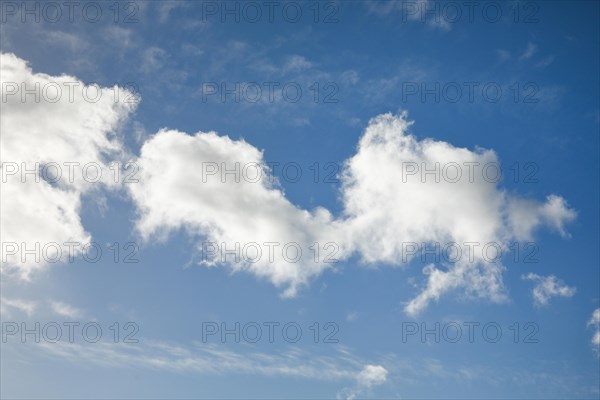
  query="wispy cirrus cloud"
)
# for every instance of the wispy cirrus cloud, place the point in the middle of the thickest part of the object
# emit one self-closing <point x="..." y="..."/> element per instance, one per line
<point x="8" y="306"/>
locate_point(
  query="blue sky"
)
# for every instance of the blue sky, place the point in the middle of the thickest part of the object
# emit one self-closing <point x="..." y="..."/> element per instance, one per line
<point x="375" y="61"/>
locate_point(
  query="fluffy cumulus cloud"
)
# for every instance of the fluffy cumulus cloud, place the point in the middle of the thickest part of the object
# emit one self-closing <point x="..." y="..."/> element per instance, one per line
<point x="397" y="192"/>
<point x="526" y="215"/>
<point x="547" y="287"/>
<point x="391" y="202"/>
<point x="64" y="133"/>
<point x="221" y="191"/>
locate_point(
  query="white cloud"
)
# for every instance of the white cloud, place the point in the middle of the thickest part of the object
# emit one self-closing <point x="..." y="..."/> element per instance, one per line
<point x="154" y="58"/>
<point x="384" y="208"/>
<point x="165" y="8"/>
<point x="42" y="309"/>
<point x="413" y="11"/>
<point x="368" y="377"/>
<point x="529" y="51"/>
<point x="595" y="323"/>
<point x="203" y="358"/>
<point x="7" y="306"/>
<point x="547" y="287"/>
<point x="351" y="316"/>
<point x="372" y="375"/>
<point x="207" y="358"/>
<point x="66" y="310"/>
<point x="117" y="34"/>
<point x="172" y="194"/>
<point x="296" y="63"/>
<point x="525" y="215"/>
<point x="70" y="40"/>
<point x="61" y="129"/>
<point x="596" y="339"/>
<point x="424" y="11"/>
<point x="545" y="62"/>
<point x="302" y="363"/>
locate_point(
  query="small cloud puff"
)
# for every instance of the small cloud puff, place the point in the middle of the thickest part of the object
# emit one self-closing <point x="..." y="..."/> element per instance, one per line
<point x="547" y="287"/>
